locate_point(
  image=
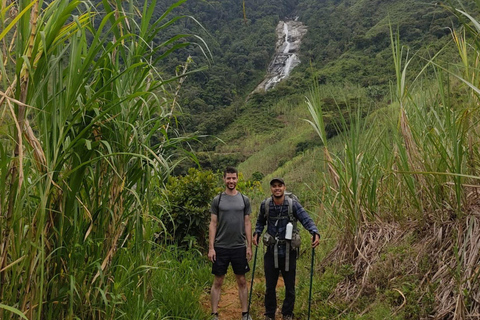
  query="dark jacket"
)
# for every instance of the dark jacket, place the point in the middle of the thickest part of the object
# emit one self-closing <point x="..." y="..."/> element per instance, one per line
<point x="277" y="227"/>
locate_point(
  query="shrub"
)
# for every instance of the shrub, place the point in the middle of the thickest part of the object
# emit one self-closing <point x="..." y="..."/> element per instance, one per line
<point x="187" y="200"/>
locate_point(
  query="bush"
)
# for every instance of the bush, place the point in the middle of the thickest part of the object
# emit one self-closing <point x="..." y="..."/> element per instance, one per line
<point x="257" y="176"/>
<point x="187" y="202"/>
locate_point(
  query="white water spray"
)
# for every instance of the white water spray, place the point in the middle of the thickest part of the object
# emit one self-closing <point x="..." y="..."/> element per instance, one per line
<point x="285" y="59"/>
<point x="287" y="43"/>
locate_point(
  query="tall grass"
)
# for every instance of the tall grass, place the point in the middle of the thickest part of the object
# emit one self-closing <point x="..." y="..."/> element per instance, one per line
<point x="422" y="167"/>
<point x="423" y="164"/>
<point x="352" y="172"/>
<point x="82" y="101"/>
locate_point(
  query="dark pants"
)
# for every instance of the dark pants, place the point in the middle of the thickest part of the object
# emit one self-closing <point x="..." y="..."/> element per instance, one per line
<point x="237" y="257"/>
<point x="271" y="279"/>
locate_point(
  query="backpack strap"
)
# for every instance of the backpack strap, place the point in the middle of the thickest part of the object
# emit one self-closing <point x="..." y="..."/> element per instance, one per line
<point x="290" y="213"/>
<point x="290" y="210"/>
<point x="244" y="204"/>
<point x="267" y="207"/>
<point x="218" y="203"/>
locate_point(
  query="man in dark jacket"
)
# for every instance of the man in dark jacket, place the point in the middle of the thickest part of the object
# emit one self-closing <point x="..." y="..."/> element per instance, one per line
<point x="277" y="212"/>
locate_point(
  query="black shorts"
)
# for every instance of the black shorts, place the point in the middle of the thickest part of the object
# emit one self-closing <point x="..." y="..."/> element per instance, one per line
<point x="237" y="257"/>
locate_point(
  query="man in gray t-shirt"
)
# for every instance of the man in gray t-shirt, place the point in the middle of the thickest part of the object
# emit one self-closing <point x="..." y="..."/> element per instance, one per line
<point x="230" y="240"/>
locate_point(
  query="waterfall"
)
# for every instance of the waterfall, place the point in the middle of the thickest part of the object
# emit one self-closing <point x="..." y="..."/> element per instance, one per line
<point x="289" y="35"/>
<point x="287" y="43"/>
<point x="289" y="64"/>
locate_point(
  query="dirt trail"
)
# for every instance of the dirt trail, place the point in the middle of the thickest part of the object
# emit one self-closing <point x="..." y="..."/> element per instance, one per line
<point x="229" y="306"/>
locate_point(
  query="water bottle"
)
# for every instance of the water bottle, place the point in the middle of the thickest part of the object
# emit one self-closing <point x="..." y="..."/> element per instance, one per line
<point x="288" y="233"/>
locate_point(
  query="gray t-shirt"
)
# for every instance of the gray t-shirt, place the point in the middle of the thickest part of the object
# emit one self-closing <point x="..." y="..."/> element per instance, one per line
<point x="231" y="220"/>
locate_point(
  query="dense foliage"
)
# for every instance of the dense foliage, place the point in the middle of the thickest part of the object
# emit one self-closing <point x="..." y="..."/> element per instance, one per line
<point x="188" y="201"/>
<point x="87" y="123"/>
<point x="88" y="120"/>
<point x="347" y="41"/>
<point x="242" y="41"/>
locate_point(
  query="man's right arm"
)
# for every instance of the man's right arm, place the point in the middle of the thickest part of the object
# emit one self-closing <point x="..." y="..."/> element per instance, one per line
<point x="260" y="225"/>
<point x="212" y="230"/>
<point x="307" y="223"/>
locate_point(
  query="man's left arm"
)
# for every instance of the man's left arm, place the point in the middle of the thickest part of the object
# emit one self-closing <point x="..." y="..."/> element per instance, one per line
<point x="307" y="223"/>
<point x="248" y="233"/>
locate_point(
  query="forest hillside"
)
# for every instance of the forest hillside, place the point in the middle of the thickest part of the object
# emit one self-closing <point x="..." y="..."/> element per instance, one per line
<point x="347" y="43"/>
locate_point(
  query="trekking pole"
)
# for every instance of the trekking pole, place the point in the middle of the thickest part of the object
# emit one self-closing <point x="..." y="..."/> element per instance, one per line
<point x="253" y="276"/>
<point x="311" y="281"/>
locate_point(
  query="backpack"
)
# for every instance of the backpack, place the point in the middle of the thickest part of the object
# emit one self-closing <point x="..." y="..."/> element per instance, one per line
<point x="290" y="197"/>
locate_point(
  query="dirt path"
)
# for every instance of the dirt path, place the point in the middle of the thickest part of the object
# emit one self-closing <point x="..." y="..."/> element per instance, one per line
<point x="229" y="306"/>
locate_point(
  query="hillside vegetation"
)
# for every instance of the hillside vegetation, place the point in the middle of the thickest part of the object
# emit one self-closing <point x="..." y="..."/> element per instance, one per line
<point x="376" y="131"/>
<point x="347" y="42"/>
<point x="390" y="165"/>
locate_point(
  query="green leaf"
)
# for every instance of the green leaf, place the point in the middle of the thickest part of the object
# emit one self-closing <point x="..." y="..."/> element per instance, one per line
<point x="14" y="21"/>
<point x="13" y="310"/>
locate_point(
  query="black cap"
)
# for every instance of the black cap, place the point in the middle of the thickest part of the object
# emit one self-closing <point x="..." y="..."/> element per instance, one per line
<point x="277" y="180"/>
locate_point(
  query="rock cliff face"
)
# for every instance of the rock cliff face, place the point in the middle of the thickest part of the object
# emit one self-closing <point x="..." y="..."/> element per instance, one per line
<point x="289" y="35"/>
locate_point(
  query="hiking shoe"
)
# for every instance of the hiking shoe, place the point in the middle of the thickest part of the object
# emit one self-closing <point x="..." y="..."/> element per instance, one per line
<point x="246" y="317"/>
<point x="288" y="317"/>
<point x="214" y="317"/>
<point x="269" y="318"/>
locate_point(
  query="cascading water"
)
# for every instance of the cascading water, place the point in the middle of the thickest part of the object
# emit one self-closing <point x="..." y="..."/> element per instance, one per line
<point x="289" y="35"/>
<point x="287" y="43"/>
